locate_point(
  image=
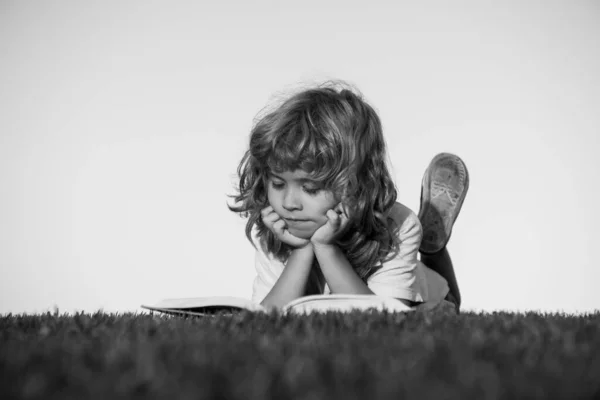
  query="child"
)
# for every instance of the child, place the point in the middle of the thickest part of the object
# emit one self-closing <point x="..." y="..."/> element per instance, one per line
<point x="322" y="210"/>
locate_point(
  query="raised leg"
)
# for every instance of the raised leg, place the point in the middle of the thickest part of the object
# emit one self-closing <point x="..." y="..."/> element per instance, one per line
<point x="441" y="263"/>
<point x="443" y="191"/>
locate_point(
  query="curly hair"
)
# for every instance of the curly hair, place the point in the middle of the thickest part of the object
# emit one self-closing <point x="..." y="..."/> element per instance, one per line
<point x="330" y="132"/>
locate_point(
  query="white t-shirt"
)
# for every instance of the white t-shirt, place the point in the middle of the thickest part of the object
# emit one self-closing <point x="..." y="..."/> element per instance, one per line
<point x="404" y="276"/>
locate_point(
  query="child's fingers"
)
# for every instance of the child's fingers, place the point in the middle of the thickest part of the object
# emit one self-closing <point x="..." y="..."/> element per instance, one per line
<point x="340" y="220"/>
<point x="279" y="226"/>
<point x="334" y="218"/>
<point x="266" y="211"/>
<point x="341" y="209"/>
<point x="269" y="218"/>
<point x="343" y="220"/>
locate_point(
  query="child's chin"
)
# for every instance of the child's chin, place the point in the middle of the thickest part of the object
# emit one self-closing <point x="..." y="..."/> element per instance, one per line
<point x="302" y="234"/>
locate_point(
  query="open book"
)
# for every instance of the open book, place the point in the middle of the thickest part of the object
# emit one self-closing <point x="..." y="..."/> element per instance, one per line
<point x="306" y="304"/>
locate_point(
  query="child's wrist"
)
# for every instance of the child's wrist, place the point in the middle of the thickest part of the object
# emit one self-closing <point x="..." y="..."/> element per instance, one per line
<point x="323" y="246"/>
<point x="301" y="256"/>
<point x="307" y="248"/>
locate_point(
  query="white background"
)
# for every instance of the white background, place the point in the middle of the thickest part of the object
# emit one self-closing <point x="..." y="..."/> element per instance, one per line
<point x="122" y="124"/>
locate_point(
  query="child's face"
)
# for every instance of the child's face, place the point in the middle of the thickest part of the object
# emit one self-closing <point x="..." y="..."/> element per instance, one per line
<point x="299" y="201"/>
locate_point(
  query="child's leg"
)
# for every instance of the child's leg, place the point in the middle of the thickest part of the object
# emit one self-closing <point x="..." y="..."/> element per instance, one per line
<point x="441" y="263"/>
<point x="443" y="192"/>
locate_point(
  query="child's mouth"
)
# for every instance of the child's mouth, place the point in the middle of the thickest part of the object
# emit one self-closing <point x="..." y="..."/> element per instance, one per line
<point x="296" y="221"/>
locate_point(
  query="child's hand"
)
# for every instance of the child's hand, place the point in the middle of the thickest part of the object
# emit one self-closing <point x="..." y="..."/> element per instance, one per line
<point x="337" y="219"/>
<point x="277" y="225"/>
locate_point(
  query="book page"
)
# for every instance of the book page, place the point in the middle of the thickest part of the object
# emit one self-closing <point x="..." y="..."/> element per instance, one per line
<point x="205" y="305"/>
<point x="345" y="302"/>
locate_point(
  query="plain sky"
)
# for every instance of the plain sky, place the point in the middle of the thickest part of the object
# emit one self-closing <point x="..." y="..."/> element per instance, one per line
<point x="122" y="125"/>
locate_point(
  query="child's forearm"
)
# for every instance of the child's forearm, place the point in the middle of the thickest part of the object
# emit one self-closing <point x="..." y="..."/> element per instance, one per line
<point x="339" y="274"/>
<point x="292" y="282"/>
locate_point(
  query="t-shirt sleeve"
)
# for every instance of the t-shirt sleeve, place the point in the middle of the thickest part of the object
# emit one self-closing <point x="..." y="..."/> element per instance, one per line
<point x="401" y="277"/>
<point x="268" y="270"/>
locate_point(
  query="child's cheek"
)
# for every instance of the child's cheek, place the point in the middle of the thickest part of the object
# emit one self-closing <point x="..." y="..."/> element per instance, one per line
<point x="321" y="222"/>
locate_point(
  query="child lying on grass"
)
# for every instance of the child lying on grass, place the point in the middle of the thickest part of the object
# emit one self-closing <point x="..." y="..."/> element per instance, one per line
<point x="322" y="210"/>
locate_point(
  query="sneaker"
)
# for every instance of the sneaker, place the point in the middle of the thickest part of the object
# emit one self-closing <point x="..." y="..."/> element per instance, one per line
<point x="443" y="191"/>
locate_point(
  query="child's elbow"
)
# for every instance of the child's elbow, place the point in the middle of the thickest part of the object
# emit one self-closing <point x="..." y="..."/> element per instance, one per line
<point x="408" y="303"/>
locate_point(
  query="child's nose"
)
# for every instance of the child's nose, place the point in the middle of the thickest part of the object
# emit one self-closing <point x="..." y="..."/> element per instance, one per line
<point x="291" y="200"/>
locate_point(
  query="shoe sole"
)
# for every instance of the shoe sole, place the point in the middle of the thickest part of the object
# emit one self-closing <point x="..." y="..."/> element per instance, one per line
<point x="437" y="228"/>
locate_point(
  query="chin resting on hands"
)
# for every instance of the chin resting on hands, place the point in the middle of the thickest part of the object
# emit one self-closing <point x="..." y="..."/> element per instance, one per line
<point x="276" y="224"/>
<point x="337" y="219"/>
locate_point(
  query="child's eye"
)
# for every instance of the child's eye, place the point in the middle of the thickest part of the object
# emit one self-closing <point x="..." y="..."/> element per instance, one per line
<point x="311" y="190"/>
<point x="277" y="185"/>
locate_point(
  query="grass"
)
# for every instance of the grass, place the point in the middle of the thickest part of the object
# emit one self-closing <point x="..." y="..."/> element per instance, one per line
<point x="360" y="355"/>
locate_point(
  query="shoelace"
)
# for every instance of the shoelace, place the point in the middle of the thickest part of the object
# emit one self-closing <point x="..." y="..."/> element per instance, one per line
<point x="438" y="189"/>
